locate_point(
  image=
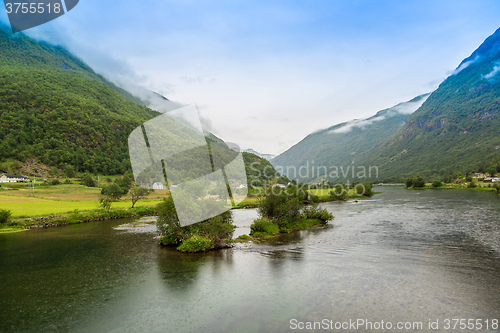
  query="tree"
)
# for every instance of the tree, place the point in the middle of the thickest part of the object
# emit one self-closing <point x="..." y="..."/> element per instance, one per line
<point x="496" y="186"/>
<point x="364" y="189"/>
<point x="418" y="182"/>
<point x="137" y="193"/>
<point x="5" y="216"/>
<point x="125" y="183"/>
<point x="110" y="193"/>
<point x="215" y="229"/>
<point x="282" y="204"/>
<point x="88" y="181"/>
<point x="437" y="183"/>
<point x="69" y="171"/>
<point x="472" y="185"/>
<point x="339" y="192"/>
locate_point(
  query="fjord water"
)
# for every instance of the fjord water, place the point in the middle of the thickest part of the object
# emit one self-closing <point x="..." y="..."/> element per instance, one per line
<point x="409" y="256"/>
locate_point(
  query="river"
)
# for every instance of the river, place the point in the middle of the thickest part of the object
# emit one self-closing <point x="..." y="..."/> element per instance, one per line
<point x="403" y="256"/>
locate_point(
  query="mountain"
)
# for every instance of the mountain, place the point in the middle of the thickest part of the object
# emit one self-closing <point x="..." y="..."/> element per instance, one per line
<point x="266" y="156"/>
<point x="322" y="153"/>
<point x="55" y="108"/>
<point x="457" y="129"/>
<point x="55" y="111"/>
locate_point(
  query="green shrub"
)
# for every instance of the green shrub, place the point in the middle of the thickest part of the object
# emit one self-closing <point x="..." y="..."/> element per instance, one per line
<point x="69" y="171"/>
<point x="364" y="189"/>
<point x="315" y="212"/>
<point x="282" y="204"/>
<point x="472" y="185"/>
<point x="67" y="181"/>
<point x="418" y="182"/>
<point x="312" y="197"/>
<point x="55" y="182"/>
<point x="169" y="240"/>
<point x="112" y="191"/>
<point x="437" y="183"/>
<point x="264" y="226"/>
<point x="244" y="237"/>
<point x="339" y="192"/>
<point x="88" y="181"/>
<point x="216" y="229"/>
<point x="415" y="182"/>
<point x="5" y="216"/>
<point x="196" y="244"/>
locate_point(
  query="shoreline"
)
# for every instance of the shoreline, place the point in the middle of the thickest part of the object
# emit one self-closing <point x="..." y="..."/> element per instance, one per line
<point x="76" y="217"/>
<point x="95" y="215"/>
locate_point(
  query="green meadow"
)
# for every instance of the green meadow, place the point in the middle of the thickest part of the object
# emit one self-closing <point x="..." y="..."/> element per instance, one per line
<point x="60" y="199"/>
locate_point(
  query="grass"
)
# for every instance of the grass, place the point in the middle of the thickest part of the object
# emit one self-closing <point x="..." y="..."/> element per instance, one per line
<point x="53" y="200"/>
<point x="321" y="192"/>
<point x="249" y="202"/>
<point x="480" y="187"/>
<point x="265" y="233"/>
<point x="21" y="206"/>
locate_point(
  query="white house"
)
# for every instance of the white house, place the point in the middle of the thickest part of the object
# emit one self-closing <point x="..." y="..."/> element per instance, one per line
<point x="157" y="186"/>
<point x="13" y="179"/>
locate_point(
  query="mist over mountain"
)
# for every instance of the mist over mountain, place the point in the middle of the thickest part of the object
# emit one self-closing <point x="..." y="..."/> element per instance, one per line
<point x="341" y="144"/>
<point x="57" y="112"/>
<point x="265" y="156"/>
<point x="456" y="129"/>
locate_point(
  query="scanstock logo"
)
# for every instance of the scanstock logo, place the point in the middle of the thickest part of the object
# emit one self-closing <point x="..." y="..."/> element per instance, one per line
<point x="206" y="177"/>
<point x="26" y="14"/>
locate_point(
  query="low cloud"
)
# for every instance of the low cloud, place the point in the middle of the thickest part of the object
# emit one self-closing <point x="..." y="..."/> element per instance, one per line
<point x="494" y="72"/>
<point x="465" y="65"/>
<point x="402" y="108"/>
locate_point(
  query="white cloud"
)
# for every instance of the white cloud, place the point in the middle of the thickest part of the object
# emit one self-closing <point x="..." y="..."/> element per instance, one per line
<point x="465" y="65"/>
<point x="402" y="108"/>
<point x="494" y="72"/>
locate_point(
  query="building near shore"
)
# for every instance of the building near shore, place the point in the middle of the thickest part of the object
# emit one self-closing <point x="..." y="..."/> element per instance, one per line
<point x="13" y="179"/>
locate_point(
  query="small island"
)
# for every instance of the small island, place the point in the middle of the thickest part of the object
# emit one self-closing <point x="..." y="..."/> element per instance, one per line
<point x="281" y="210"/>
<point x="286" y="210"/>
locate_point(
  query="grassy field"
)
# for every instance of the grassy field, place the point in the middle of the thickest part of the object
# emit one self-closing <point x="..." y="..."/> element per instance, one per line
<point x="52" y="200"/>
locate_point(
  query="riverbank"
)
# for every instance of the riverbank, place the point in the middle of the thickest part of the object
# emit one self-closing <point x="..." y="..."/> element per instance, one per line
<point x="320" y="195"/>
<point x="50" y="209"/>
<point x="76" y="217"/>
<point x="301" y="224"/>
<point x="479" y="186"/>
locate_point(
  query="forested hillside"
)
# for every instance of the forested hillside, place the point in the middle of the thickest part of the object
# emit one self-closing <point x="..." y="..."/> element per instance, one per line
<point x="455" y="131"/>
<point x="55" y="108"/>
<point x="458" y="127"/>
<point x="343" y="145"/>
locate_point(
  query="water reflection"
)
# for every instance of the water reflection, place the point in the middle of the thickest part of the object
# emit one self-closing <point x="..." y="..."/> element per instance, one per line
<point x="181" y="271"/>
<point x="406" y="255"/>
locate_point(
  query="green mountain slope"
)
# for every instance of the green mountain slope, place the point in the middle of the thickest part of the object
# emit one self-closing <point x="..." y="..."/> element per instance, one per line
<point x="55" y="108"/>
<point x="457" y="128"/>
<point x="322" y="153"/>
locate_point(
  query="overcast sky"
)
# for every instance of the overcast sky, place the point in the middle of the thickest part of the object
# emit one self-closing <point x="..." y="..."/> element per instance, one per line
<point x="264" y="74"/>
